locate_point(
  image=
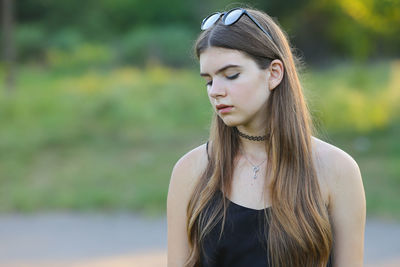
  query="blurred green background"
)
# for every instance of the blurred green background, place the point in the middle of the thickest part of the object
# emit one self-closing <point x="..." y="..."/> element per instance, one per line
<point x="101" y="98"/>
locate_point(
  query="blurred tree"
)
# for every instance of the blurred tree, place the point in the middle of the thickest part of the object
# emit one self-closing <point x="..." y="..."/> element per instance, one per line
<point x="8" y="46"/>
<point x="371" y="25"/>
<point x="321" y="29"/>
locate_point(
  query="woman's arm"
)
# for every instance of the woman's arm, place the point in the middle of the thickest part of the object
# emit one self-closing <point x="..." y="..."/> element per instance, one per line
<point x="348" y="211"/>
<point x="183" y="178"/>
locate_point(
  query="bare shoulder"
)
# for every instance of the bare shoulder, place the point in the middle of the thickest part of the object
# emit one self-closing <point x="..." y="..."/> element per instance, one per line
<point x="332" y="157"/>
<point x="336" y="167"/>
<point x="186" y="172"/>
<point x="190" y="165"/>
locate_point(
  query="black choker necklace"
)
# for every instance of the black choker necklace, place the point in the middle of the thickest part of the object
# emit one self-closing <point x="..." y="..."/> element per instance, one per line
<point x="253" y="138"/>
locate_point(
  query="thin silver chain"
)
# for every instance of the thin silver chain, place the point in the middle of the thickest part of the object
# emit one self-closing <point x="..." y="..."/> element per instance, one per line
<point x="256" y="168"/>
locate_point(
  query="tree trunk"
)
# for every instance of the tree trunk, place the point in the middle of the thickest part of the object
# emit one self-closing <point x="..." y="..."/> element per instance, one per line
<point x="8" y="43"/>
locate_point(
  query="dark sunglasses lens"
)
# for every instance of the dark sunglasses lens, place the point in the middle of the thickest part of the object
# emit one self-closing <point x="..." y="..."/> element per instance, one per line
<point x="232" y="16"/>
<point x="209" y="21"/>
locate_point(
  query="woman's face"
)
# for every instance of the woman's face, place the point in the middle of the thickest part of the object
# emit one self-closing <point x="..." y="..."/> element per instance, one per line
<point x="234" y="79"/>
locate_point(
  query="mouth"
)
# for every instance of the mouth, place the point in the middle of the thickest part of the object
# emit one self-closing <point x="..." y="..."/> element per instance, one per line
<point x="224" y="108"/>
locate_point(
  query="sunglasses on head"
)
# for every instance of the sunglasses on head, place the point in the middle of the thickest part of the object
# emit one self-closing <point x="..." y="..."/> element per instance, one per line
<point x="230" y="18"/>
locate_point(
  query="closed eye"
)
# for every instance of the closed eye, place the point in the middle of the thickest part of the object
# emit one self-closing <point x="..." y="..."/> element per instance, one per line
<point x="233" y="76"/>
<point x="228" y="77"/>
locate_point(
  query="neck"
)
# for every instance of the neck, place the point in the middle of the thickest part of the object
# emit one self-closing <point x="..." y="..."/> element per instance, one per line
<point x="253" y="149"/>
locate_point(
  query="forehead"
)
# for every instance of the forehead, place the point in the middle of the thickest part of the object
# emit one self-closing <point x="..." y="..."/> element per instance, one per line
<point x="215" y="57"/>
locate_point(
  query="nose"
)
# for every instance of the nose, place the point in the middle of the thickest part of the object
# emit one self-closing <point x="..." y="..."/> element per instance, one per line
<point x="217" y="89"/>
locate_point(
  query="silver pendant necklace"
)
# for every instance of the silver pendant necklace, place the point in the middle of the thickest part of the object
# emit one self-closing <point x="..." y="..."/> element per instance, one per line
<point x="256" y="168"/>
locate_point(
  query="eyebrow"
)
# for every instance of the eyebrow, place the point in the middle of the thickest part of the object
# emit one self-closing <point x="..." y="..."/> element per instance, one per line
<point x="221" y="69"/>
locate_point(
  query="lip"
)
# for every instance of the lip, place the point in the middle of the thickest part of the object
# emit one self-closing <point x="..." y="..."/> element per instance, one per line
<point x="221" y="106"/>
<point x="224" y="108"/>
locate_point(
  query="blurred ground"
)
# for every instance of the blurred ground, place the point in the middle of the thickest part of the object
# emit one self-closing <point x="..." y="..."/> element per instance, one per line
<point x="120" y="239"/>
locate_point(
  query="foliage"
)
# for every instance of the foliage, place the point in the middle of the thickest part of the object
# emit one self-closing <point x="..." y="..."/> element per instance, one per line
<point x="30" y="42"/>
<point x="169" y="45"/>
<point x="357" y="97"/>
<point x="322" y="30"/>
<point x="79" y="57"/>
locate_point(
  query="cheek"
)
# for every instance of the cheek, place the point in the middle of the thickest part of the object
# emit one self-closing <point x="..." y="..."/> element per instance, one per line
<point x="252" y="94"/>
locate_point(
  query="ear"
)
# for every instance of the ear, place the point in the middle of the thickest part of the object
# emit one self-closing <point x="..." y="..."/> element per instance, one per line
<point x="276" y="71"/>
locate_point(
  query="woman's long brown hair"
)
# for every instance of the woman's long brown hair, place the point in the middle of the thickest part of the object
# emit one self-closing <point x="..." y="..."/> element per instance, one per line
<point x="299" y="229"/>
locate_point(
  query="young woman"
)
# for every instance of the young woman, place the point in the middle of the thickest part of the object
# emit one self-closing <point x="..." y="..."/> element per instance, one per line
<point x="263" y="191"/>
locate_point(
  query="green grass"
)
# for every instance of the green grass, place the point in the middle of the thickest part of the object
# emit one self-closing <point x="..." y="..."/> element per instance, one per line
<point x="107" y="139"/>
<point x="98" y="139"/>
<point x="102" y="174"/>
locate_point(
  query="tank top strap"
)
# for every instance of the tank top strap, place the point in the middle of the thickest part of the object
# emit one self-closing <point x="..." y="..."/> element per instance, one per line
<point x="207" y="150"/>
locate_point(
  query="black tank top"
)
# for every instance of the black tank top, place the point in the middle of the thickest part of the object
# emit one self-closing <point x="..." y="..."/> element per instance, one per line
<point x="243" y="242"/>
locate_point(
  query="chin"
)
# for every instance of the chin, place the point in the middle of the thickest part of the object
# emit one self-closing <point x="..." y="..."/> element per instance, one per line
<point x="230" y="123"/>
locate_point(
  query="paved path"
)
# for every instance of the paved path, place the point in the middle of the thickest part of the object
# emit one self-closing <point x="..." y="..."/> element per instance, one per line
<point x="118" y="240"/>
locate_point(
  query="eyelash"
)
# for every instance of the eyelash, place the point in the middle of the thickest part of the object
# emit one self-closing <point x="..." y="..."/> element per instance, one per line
<point x="228" y="77"/>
